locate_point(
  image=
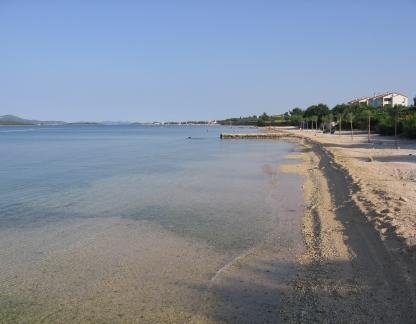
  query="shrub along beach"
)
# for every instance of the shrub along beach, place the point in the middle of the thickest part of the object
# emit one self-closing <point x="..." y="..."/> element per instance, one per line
<point x="388" y="120"/>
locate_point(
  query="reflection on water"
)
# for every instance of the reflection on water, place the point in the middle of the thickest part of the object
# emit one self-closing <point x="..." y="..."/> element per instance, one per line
<point x="77" y="198"/>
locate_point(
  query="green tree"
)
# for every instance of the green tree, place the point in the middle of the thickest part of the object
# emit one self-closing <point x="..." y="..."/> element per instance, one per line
<point x="296" y="120"/>
<point x="296" y="111"/>
<point x="319" y="110"/>
<point x="296" y="117"/>
<point x="339" y="120"/>
<point x="385" y="121"/>
<point x="264" y="116"/>
<point x="314" y="119"/>
<point x="409" y="125"/>
<point x="341" y="109"/>
<point x="350" y="117"/>
<point x="368" y="113"/>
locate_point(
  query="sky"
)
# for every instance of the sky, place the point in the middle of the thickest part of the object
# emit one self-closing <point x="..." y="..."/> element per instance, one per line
<point x="86" y="60"/>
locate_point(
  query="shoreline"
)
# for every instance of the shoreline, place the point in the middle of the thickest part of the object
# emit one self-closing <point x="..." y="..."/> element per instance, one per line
<point x="160" y="264"/>
<point x="392" y="201"/>
<point x="349" y="269"/>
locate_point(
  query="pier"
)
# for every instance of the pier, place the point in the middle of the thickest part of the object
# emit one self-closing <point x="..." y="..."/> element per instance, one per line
<point x="254" y="136"/>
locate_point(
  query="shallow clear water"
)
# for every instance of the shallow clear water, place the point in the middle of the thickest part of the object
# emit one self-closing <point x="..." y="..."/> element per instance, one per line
<point x="214" y="198"/>
<point x="199" y="186"/>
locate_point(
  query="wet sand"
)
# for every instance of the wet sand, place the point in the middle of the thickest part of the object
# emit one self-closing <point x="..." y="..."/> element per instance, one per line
<point x="256" y="286"/>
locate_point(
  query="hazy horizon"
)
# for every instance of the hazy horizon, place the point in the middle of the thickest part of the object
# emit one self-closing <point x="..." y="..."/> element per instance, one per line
<point x="173" y="61"/>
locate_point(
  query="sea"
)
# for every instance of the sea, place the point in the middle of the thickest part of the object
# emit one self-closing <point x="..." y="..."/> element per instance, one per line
<point x="134" y="222"/>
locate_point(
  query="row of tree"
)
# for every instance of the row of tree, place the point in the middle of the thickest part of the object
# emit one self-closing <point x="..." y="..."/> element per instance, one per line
<point x="388" y="120"/>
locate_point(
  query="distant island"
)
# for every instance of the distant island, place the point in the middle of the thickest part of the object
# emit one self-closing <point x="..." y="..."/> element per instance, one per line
<point x="14" y="120"/>
<point x="11" y="120"/>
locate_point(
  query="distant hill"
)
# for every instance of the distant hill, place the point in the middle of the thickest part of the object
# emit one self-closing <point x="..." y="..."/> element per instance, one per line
<point x="14" y="120"/>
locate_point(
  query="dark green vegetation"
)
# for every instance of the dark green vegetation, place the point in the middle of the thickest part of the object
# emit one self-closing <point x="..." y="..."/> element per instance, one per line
<point x="262" y="120"/>
<point x="398" y="120"/>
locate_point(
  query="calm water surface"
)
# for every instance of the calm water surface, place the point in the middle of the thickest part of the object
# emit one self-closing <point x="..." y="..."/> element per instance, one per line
<point x="172" y="188"/>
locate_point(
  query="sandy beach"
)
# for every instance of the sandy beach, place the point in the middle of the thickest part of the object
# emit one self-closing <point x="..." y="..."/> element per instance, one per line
<point x="359" y="230"/>
<point x="385" y="177"/>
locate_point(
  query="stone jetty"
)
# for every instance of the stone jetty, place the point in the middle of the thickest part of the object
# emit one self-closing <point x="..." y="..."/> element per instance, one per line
<point x="254" y="136"/>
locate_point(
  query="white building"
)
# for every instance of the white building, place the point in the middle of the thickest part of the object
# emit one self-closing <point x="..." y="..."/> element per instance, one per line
<point x="389" y="99"/>
<point x="382" y="100"/>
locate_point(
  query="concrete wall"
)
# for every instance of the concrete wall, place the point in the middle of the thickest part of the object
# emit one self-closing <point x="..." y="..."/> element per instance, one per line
<point x="400" y="100"/>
